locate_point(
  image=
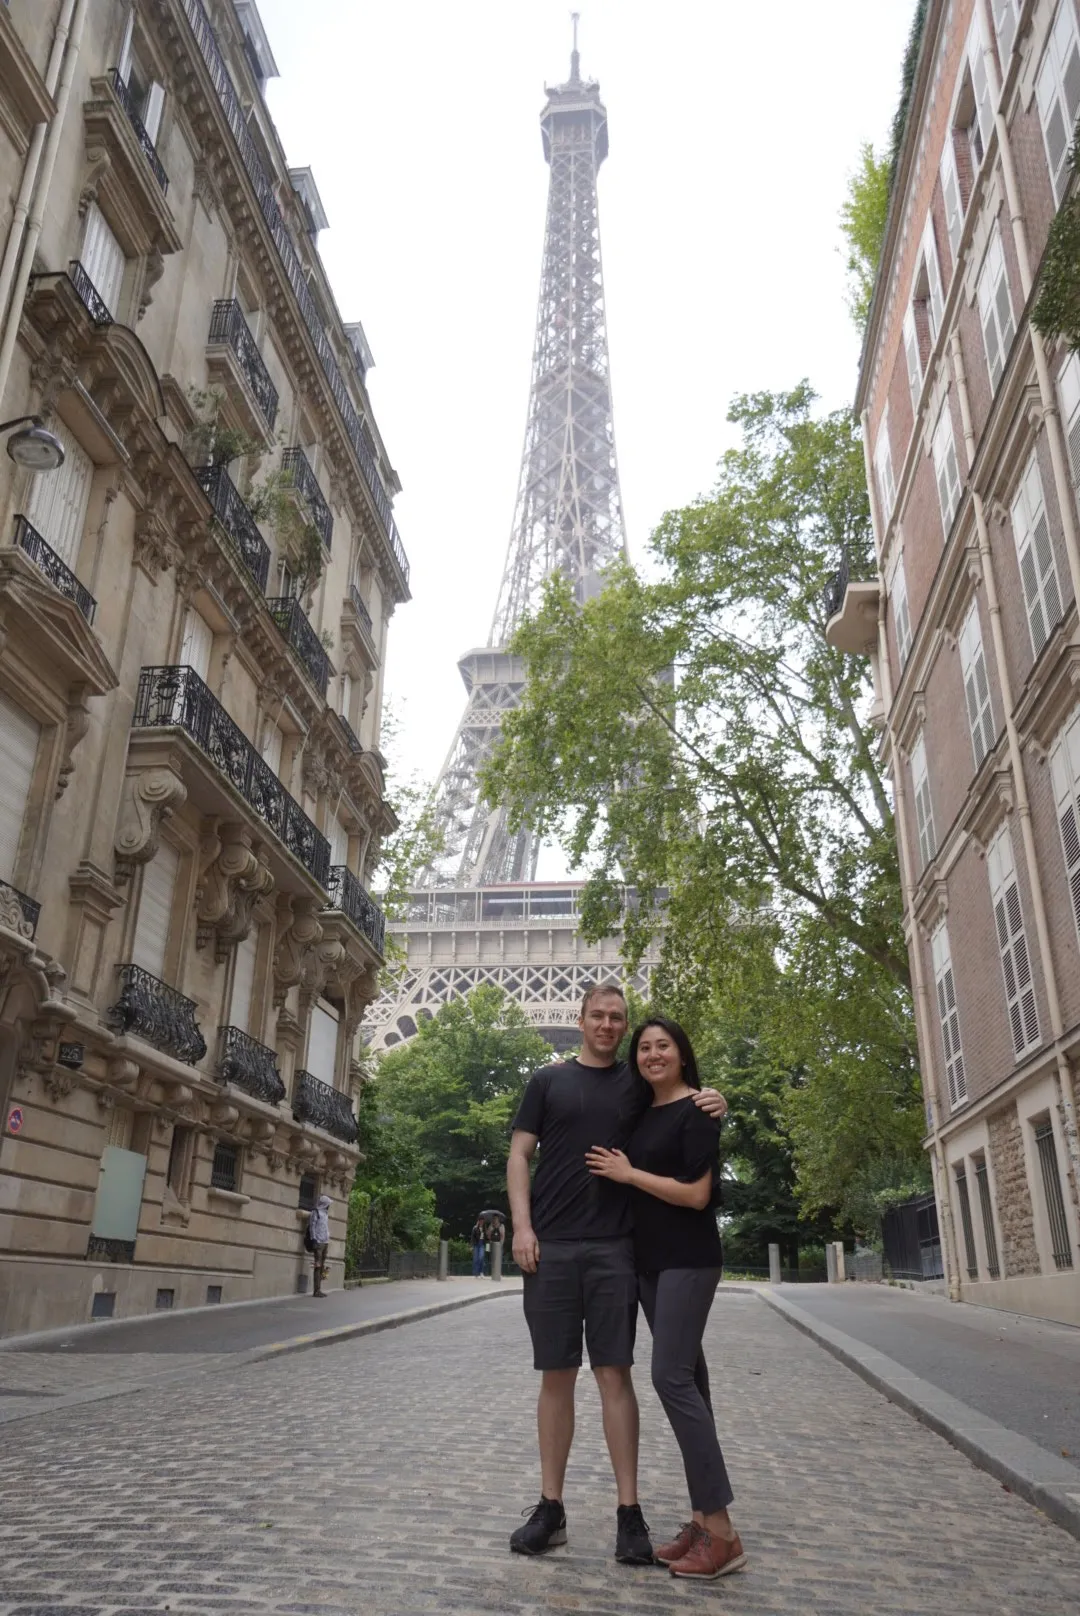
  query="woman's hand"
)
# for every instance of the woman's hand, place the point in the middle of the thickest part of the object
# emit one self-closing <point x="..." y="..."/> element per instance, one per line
<point x="608" y="1164"/>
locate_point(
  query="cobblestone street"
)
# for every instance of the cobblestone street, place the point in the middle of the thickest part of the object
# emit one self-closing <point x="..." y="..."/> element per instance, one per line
<point x="206" y="1495"/>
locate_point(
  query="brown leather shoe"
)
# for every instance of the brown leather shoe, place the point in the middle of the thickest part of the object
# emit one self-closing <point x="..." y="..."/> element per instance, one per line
<point x="680" y="1545"/>
<point x="710" y="1557"/>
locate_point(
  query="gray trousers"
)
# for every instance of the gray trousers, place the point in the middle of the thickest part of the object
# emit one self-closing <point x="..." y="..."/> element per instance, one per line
<point x="677" y="1303"/>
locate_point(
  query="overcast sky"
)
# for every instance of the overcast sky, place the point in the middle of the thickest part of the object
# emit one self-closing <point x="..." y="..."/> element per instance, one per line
<point x="733" y="127"/>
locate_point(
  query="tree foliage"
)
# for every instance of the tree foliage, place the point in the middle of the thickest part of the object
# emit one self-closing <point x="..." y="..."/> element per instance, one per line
<point x="862" y="223"/>
<point x="1057" y="308"/>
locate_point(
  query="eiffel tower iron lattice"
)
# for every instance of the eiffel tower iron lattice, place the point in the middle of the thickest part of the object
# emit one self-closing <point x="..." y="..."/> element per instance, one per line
<point x="568" y="519"/>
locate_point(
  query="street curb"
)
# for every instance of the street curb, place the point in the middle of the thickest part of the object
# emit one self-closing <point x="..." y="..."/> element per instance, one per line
<point x="346" y="1332"/>
<point x="1050" y="1483"/>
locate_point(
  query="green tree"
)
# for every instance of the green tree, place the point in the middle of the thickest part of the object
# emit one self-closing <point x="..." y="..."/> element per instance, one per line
<point x="452" y="1091"/>
<point x="698" y="738"/>
<point x="862" y="223"/>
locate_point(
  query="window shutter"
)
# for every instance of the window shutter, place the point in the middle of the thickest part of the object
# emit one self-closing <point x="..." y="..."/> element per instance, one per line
<point x="901" y="615"/>
<point x="155" y="910"/>
<point x="338" y="838"/>
<point x="271" y="752"/>
<point x="950" y="190"/>
<point x="1069" y="387"/>
<point x="1004" y="13"/>
<point x="197" y="643"/>
<point x="946" y="470"/>
<point x="950" y="1020"/>
<point x="123" y="61"/>
<point x="103" y="258"/>
<point x="322" y="1043"/>
<point x="243" y="986"/>
<point x="1035" y="554"/>
<point x="914" y="363"/>
<point x="883" y="466"/>
<point x="980" y="85"/>
<point x="924" y="807"/>
<point x="19" y="738"/>
<point x="1012" y="943"/>
<point x="346" y="694"/>
<point x="151" y="118"/>
<point x="1065" y="777"/>
<point x="58" y="499"/>
<point x="976" y="685"/>
<point x="1057" y="90"/>
<point x="995" y="309"/>
<point x="933" y="275"/>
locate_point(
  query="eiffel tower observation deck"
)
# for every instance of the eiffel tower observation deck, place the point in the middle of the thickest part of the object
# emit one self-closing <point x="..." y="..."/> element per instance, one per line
<point x="478" y="915"/>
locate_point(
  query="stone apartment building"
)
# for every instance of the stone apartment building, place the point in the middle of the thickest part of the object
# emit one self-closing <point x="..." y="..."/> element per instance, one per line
<point x="972" y="432"/>
<point x="193" y="617"/>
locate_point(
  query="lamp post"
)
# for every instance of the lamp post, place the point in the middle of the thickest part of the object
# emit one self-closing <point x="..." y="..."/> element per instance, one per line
<point x="34" y="446"/>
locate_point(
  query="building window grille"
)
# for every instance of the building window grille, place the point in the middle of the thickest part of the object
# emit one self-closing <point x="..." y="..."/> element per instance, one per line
<point x="1035" y="554"/>
<point x="1055" y="1201"/>
<point x="946" y="467"/>
<point x="945" y="985"/>
<point x="995" y="309"/>
<point x="1012" y="943"/>
<point x="982" y="1183"/>
<point x="924" y="806"/>
<point x="1057" y="90"/>
<point x="225" y="1168"/>
<point x="971" y="1261"/>
<point x="164" y="1300"/>
<point x="309" y="1192"/>
<point x="976" y="685"/>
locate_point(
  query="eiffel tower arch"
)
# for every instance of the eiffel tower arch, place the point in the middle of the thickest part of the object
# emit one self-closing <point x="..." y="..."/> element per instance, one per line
<point x="478" y="915"/>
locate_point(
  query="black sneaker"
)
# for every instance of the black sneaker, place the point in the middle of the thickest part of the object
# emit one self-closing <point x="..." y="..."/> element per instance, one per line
<point x="632" y="1545"/>
<point x="545" y="1529"/>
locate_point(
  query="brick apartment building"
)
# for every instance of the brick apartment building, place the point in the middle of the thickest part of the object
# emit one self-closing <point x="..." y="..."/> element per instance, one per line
<point x="972" y="431"/>
<point x="191" y="791"/>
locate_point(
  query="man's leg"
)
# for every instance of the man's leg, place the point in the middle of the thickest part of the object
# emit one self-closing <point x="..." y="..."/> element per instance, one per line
<point x="555" y="1428"/>
<point x="621" y="1426"/>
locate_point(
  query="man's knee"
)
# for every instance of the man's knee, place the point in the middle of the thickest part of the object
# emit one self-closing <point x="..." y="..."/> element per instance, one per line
<point x="614" y="1380"/>
<point x="558" y="1383"/>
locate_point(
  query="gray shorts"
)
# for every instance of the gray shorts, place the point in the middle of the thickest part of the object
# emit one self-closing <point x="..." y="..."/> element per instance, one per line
<point x="582" y="1286"/>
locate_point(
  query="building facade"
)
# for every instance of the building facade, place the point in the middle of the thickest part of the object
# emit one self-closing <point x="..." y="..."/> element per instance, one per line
<point x="193" y="617"/>
<point x="972" y="431"/>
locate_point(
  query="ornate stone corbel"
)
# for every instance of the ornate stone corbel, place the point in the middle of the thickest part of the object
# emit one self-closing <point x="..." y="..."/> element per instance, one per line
<point x="58" y="1083"/>
<point x="323" y="963"/>
<point x="149" y="797"/>
<point x="97" y="154"/>
<point x="232" y="880"/>
<point x="302" y="931"/>
<point x="154" y="550"/>
<point x="225" y="1117"/>
<point x="78" y="722"/>
<point x="153" y="270"/>
<point x="123" y="1074"/>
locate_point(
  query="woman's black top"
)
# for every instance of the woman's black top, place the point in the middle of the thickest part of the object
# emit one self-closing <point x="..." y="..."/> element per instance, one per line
<point x="675" y="1141"/>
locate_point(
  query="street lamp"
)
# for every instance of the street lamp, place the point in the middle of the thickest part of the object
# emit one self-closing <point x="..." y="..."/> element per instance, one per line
<point x="34" y="446"/>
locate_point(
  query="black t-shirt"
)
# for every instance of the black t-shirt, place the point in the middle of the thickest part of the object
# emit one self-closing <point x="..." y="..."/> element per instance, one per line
<point x="675" y="1141"/>
<point x="570" y="1108"/>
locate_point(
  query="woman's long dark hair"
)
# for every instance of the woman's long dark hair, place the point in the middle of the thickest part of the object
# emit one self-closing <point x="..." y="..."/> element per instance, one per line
<point x="678" y="1038"/>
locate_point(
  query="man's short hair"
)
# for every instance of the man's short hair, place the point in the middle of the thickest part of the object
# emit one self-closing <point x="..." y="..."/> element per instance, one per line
<point x="596" y="989"/>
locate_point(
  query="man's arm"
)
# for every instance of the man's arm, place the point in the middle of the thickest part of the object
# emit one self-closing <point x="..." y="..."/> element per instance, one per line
<point x="711" y="1102"/>
<point x="519" y="1189"/>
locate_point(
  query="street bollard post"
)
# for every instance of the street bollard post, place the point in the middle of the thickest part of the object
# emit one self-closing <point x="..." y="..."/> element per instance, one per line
<point x="774" y="1264"/>
<point x="496" y="1259"/>
<point x="444" y="1258"/>
<point x="830" y="1261"/>
<point x="841" y="1273"/>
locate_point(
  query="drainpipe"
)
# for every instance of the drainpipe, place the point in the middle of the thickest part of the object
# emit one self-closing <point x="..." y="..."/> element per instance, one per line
<point x="33" y="159"/>
<point x="44" y="181"/>
<point x="922" y="1005"/>
<point x="1016" y="762"/>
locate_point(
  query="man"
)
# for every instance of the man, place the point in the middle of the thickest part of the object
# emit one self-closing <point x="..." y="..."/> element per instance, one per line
<point x="319" y="1237"/>
<point x="477" y="1239"/>
<point x="572" y="1243"/>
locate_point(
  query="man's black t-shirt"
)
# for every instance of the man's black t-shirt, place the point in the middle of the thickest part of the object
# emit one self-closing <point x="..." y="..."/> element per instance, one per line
<point x="570" y="1108"/>
<point x="674" y="1141"/>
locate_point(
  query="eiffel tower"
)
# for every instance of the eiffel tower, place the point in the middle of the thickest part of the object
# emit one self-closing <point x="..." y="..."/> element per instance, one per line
<point x="479" y="915"/>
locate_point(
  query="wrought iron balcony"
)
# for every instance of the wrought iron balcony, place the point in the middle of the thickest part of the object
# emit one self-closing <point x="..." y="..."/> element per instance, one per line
<point x="250" y="1065"/>
<point x="124" y="96"/>
<point x="361" y="610"/>
<point x="228" y="326"/>
<point x="350" y="735"/>
<point x="348" y="896"/>
<point x="289" y="617"/>
<point x="297" y="468"/>
<point x="177" y="697"/>
<point x="89" y="296"/>
<point x="18" y="912"/>
<point x="236" y="519"/>
<point x="315" y="1101"/>
<point x="47" y="561"/>
<point x="263" y="187"/>
<point x="157" y="1013"/>
<point x="835" y="589"/>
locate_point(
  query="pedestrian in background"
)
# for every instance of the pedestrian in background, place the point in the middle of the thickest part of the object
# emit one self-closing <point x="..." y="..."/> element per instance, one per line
<point x="318" y="1240"/>
<point x="477" y="1238"/>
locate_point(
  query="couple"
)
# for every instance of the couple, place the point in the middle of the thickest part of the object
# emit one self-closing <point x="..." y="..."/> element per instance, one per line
<point x="621" y="1207"/>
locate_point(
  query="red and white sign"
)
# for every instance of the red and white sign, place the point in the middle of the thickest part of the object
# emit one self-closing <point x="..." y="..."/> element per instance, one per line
<point x="15" y="1119"/>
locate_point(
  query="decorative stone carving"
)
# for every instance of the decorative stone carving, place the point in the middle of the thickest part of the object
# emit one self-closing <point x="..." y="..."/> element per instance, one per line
<point x="148" y="798"/>
<point x="123" y="1073"/>
<point x="13" y="919"/>
<point x="301" y="932"/>
<point x="154" y="549"/>
<point x="232" y="881"/>
<point x="153" y="270"/>
<point x="78" y="722"/>
<point x="58" y="1083"/>
<point x="225" y="1117"/>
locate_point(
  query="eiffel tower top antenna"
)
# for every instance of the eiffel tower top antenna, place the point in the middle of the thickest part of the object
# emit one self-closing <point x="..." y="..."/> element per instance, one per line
<point x="575" y="59"/>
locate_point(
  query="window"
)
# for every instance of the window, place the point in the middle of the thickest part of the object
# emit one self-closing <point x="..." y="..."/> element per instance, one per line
<point x="913" y="357"/>
<point x="1057" y="90"/>
<point x="181" y="1157"/>
<point x="309" y="1192"/>
<point x="982" y="1182"/>
<point x="897" y="589"/>
<point x="1065" y="778"/>
<point x="950" y="191"/>
<point x="243" y="983"/>
<point x="197" y="643"/>
<point x="946" y="469"/>
<point x="1005" y="19"/>
<point x="965" y="1222"/>
<point x="1012" y="943"/>
<point x="271" y="748"/>
<point x="950" y="1020"/>
<point x="974" y="113"/>
<point x="323" y="1042"/>
<point x="338" y="837"/>
<point x="155" y="910"/>
<point x="928" y="292"/>
<point x="225" y="1168"/>
<point x="19" y="738"/>
<point x="345" y="706"/>
<point x="976" y="685"/>
<point x="924" y="808"/>
<point x="995" y="309"/>
<point x="1035" y="553"/>
<point x="57" y="501"/>
<point x="883" y="468"/>
<point x="1046" y="1146"/>
<point x="1069" y="388"/>
<point x="103" y="258"/>
<point x="147" y="96"/>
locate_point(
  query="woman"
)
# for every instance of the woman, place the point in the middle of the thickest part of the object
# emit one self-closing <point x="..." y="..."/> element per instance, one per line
<point x="669" y="1164"/>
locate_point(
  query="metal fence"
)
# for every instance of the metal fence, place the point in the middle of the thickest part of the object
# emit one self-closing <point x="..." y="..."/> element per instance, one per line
<point x="912" y="1240"/>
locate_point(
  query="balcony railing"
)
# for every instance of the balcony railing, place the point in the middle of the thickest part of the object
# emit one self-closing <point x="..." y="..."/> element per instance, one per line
<point x="123" y="95"/>
<point x="47" y="561"/>
<point x="315" y="1101"/>
<point x="835" y="589"/>
<point x="347" y="895"/>
<point x="250" y="1065"/>
<point x="157" y="1013"/>
<point x="18" y="912"/>
<point x="350" y="735"/>
<point x="88" y="294"/>
<point x="228" y="327"/>
<point x="297" y="468"/>
<point x="361" y="610"/>
<point x="263" y="187"/>
<point x="176" y="697"/>
<point x="236" y="519"/>
<point x="289" y="617"/>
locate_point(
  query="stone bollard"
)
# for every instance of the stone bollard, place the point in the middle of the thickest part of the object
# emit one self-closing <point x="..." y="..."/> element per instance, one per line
<point x="496" y="1259"/>
<point x="830" y="1261"/>
<point x="841" y="1273"/>
<point x="774" y="1264"/>
<point x="444" y="1258"/>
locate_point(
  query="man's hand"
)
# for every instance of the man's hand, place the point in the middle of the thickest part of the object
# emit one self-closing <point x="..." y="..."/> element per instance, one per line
<point x="712" y="1103"/>
<point x="526" y="1250"/>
